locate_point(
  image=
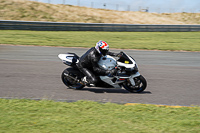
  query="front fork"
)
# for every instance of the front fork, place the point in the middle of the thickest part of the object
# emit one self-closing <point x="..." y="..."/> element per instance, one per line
<point x="131" y="78"/>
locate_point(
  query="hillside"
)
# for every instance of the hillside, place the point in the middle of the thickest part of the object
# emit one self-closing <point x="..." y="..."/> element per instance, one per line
<point x="37" y="11"/>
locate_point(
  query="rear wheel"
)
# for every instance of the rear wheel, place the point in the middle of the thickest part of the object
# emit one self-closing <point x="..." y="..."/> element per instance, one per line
<point x="140" y="85"/>
<point x="70" y="82"/>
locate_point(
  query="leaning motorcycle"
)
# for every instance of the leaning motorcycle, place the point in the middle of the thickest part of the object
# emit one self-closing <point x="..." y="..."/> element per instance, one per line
<point x="127" y="75"/>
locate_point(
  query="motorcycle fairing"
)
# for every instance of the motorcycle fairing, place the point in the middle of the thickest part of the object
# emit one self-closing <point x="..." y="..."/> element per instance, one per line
<point x="108" y="62"/>
<point x="126" y="61"/>
<point x="109" y="81"/>
<point x="119" y="79"/>
<point x="69" y="58"/>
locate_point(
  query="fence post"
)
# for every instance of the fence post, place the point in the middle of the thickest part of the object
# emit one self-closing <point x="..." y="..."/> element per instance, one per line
<point x="129" y="7"/>
<point x="139" y="8"/>
<point x="92" y="4"/>
<point x="104" y="5"/>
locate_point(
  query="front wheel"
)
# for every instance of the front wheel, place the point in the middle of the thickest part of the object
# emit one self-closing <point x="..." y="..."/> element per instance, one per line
<point x="69" y="82"/>
<point x="140" y="85"/>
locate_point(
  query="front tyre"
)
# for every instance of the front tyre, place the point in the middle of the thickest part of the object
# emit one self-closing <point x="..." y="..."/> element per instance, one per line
<point x="69" y="82"/>
<point x="140" y="85"/>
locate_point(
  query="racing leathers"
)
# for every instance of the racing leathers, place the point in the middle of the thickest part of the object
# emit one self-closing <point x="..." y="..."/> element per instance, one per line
<point x="88" y="65"/>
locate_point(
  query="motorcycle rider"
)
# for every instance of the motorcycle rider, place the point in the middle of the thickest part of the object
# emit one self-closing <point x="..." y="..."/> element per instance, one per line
<point x="88" y="63"/>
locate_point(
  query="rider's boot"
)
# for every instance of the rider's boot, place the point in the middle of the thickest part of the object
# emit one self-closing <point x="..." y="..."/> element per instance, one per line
<point x="84" y="79"/>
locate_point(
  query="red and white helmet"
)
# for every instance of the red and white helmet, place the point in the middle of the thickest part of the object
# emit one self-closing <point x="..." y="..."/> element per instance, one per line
<point x="102" y="47"/>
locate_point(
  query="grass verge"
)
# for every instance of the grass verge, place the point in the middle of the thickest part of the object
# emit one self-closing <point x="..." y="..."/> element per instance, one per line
<point x="85" y="116"/>
<point x="174" y="41"/>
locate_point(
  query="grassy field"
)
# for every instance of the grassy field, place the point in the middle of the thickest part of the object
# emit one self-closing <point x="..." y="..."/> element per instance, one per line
<point x="91" y="117"/>
<point x="38" y="11"/>
<point x="175" y="41"/>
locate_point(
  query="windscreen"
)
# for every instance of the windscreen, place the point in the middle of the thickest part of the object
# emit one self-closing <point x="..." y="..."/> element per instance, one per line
<point x="124" y="59"/>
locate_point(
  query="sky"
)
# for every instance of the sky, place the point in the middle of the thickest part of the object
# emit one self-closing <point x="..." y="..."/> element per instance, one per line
<point x="159" y="6"/>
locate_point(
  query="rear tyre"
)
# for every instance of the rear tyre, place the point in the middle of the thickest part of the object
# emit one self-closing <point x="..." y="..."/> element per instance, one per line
<point x="140" y="85"/>
<point x="69" y="82"/>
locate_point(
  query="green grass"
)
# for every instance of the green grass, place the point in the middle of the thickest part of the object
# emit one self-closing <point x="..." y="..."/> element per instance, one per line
<point x="174" y="41"/>
<point x="91" y="117"/>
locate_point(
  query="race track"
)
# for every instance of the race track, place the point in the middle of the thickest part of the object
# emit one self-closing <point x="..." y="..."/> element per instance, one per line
<point x="34" y="72"/>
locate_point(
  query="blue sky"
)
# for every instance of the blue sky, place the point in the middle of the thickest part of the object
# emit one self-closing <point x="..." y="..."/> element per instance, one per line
<point x="134" y="5"/>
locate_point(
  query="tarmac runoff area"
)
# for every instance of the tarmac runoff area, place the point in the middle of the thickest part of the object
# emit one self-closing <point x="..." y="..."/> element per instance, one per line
<point x="33" y="72"/>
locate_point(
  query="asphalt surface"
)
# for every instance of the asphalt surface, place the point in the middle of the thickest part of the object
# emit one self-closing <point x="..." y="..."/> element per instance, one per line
<point x="34" y="72"/>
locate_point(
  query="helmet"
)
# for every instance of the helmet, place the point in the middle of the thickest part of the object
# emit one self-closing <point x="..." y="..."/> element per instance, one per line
<point x="102" y="47"/>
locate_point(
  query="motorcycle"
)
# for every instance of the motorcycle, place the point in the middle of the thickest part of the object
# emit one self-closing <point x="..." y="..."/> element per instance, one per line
<point x="127" y="75"/>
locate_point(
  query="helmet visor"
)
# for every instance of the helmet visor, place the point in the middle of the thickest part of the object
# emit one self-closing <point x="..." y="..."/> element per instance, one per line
<point x="104" y="51"/>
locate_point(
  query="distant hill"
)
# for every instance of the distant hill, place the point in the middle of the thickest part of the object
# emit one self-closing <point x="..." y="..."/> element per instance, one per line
<point x="37" y="11"/>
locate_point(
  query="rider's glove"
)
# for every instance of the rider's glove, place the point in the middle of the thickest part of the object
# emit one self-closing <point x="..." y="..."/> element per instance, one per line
<point x="112" y="72"/>
<point x="119" y="54"/>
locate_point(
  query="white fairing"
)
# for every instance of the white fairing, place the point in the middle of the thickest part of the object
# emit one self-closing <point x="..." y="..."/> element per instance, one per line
<point x="67" y="57"/>
<point x="127" y="65"/>
<point x="109" y="81"/>
<point x="107" y="62"/>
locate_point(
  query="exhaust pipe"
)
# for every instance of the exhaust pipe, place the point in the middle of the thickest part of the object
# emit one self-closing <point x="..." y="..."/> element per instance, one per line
<point x="67" y="75"/>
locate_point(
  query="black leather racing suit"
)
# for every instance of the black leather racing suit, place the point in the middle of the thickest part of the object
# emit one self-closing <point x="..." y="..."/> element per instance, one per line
<point x="88" y="65"/>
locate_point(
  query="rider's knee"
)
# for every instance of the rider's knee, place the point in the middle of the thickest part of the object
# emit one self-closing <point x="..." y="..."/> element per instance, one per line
<point x="93" y="80"/>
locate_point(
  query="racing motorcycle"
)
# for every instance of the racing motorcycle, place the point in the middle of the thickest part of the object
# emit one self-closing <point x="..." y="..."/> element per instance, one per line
<point x="127" y="75"/>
